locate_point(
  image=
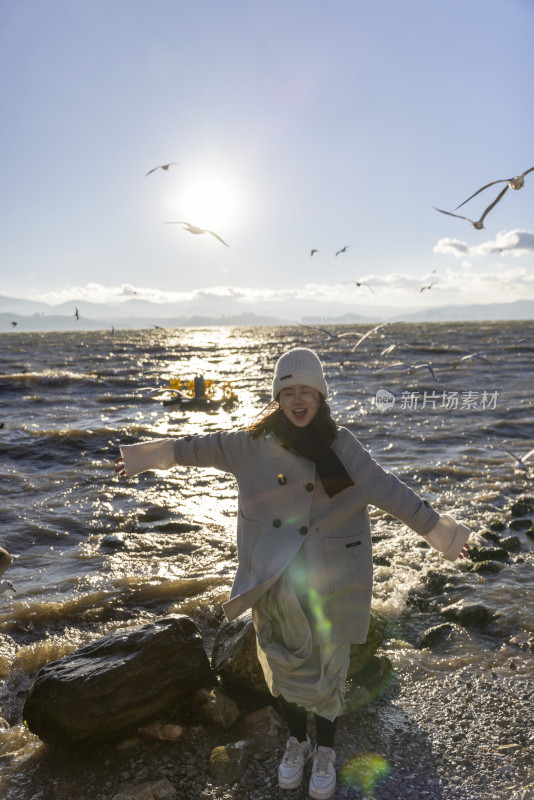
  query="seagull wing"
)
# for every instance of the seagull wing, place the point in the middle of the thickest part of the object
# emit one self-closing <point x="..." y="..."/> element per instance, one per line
<point x="395" y="365"/>
<point x="365" y="335"/>
<point x="501" y="447"/>
<point x="454" y="215"/>
<point x="217" y="237"/>
<point x="494" y="203"/>
<point x="528" y="455"/>
<point x="429" y="368"/>
<point x="526" y="173"/>
<point x="504" y="180"/>
<point x="190" y="228"/>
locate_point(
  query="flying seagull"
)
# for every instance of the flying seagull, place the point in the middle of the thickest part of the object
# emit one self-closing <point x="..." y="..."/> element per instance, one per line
<point x="428" y="286"/>
<point x="162" y="166"/>
<point x="313" y="251"/>
<point x="76" y="313"/>
<point x="343" y="249"/>
<point x="369" y="333"/>
<point x="520" y="459"/>
<point x="14" y="324"/>
<point x="6" y="559"/>
<point x="410" y="367"/>
<point x="513" y="183"/>
<point x="361" y="283"/>
<point x="472" y="357"/>
<point x="195" y="229"/>
<point x="478" y="224"/>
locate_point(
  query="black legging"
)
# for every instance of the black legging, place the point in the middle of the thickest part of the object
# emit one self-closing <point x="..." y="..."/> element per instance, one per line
<point x="296" y="719"/>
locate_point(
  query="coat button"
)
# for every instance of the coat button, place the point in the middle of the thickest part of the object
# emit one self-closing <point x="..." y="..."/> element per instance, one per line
<point x="309" y="487"/>
<point x="282" y="480"/>
<point x="303" y="531"/>
<point x="277" y="523"/>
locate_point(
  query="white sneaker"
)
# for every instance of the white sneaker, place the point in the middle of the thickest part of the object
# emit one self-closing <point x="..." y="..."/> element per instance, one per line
<point x="292" y="764"/>
<point x="323" y="777"/>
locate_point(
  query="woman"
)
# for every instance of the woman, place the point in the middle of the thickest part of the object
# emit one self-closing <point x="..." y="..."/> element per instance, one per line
<point x="304" y="547"/>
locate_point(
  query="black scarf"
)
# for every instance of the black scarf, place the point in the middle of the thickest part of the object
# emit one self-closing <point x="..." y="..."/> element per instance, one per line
<point x="311" y="444"/>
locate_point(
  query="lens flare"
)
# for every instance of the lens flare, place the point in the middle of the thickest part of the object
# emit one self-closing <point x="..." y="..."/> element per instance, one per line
<point x="365" y="771"/>
<point x="323" y="624"/>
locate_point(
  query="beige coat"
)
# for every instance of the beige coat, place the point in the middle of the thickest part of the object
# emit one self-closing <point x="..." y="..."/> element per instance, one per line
<point x="275" y="518"/>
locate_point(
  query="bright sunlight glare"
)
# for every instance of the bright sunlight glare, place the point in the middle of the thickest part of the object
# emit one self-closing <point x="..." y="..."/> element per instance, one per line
<point x="210" y="199"/>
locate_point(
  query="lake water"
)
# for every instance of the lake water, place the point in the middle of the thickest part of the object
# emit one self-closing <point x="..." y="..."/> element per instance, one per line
<point x="95" y="553"/>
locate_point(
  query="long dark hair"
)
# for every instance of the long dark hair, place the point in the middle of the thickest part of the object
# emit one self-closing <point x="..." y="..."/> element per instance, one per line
<point x="265" y="422"/>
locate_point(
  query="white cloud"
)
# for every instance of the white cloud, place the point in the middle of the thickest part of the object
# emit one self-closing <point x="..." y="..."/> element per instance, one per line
<point x="517" y="243"/>
<point x="461" y="285"/>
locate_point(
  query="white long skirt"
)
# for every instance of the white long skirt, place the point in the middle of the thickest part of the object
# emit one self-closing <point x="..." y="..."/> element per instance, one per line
<point x="312" y="676"/>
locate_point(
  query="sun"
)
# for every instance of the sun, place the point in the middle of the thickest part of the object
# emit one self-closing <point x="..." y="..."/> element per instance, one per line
<point x="211" y="198"/>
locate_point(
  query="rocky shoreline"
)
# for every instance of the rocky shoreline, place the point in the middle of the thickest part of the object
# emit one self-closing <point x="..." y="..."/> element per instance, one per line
<point x="443" y="735"/>
<point x="451" y="738"/>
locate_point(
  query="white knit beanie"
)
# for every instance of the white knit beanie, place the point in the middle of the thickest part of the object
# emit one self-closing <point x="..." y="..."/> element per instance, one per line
<point x="299" y="367"/>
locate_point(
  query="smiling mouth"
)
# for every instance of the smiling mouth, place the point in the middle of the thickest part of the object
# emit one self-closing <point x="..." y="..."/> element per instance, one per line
<point x="300" y="412"/>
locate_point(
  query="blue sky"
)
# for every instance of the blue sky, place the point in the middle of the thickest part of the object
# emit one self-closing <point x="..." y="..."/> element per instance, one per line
<point x="296" y="125"/>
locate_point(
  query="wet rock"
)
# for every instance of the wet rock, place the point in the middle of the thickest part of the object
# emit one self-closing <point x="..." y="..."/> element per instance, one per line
<point x="530" y="533"/>
<point x="520" y="524"/>
<point x="113" y="541"/>
<point x="361" y="654"/>
<point x="235" y="660"/>
<point x="477" y="553"/>
<point x="154" y="790"/>
<point x="497" y="525"/>
<point x="215" y="707"/>
<point x="382" y="561"/>
<point x="522" y="507"/>
<point x="486" y="567"/>
<point x="435" y="581"/>
<point x="437" y="634"/>
<point x="511" y="543"/>
<point x="234" y="655"/>
<point x="377" y="671"/>
<point x="419" y="598"/>
<point x="469" y="615"/>
<point x="117" y="683"/>
<point x="263" y="722"/>
<point x="154" y="514"/>
<point x="491" y="537"/>
<point x="178" y="527"/>
<point x="229" y="762"/>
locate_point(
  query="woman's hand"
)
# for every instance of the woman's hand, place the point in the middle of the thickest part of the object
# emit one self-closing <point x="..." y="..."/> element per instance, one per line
<point x="120" y="469"/>
<point x="465" y="552"/>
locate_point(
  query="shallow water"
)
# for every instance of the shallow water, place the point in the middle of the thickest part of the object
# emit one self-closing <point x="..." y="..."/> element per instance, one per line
<point x="96" y="553"/>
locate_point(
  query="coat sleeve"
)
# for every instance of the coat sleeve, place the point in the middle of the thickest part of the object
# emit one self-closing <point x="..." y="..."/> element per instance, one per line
<point x="387" y="492"/>
<point x="224" y="451"/>
<point x="448" y="536"/>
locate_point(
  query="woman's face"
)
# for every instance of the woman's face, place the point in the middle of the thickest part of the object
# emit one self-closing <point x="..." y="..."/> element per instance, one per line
<point x="300" y="404"/>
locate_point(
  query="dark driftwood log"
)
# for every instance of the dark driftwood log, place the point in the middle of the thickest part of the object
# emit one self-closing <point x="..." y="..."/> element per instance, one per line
<point x="108" y="688"/>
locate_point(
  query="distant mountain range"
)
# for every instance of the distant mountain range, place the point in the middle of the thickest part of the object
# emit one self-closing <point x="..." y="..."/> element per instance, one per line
<point x="32" y="315"/>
